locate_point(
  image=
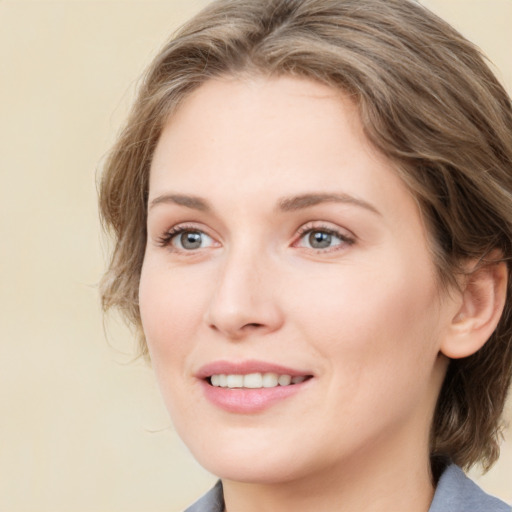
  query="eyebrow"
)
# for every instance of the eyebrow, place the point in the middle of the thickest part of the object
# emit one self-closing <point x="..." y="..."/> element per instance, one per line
<point x="302" y="201"/>
<point x="285" y="204"/>
<point x="193" y="202"/>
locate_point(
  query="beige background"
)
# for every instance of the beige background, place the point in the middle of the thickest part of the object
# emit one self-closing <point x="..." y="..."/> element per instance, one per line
<point x="81" y="426"/>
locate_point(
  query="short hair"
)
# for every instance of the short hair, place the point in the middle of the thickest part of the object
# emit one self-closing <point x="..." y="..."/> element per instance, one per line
<point x="427" y="100"/>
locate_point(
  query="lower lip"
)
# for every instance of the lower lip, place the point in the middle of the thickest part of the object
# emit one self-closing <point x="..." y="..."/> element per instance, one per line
<point x="247" y="401"/>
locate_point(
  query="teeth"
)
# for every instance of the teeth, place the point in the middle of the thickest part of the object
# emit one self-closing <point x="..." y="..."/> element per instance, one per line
<point x="235" y="381"/>
<point x="270" y="380"/>
<point x="254" y="380"/>
<point x="284" y="380"/>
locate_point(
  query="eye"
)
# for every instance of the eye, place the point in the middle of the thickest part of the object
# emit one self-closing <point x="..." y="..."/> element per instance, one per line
<point x="190" y="240"/>
<point x="322" y="238"/>
<point x="182" y="238"/>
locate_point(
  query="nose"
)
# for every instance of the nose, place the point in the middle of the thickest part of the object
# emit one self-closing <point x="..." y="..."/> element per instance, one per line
<point x="244" y="300"/>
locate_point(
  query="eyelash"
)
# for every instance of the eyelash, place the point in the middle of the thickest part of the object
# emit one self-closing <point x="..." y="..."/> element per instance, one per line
<point x="166" y="239"/>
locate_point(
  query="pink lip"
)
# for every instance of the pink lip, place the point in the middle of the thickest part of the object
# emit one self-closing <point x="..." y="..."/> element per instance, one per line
<point x="248" y="401"/>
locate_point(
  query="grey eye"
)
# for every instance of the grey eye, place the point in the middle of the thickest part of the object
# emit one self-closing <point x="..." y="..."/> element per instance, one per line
<point x="322" y="238"/>
<point x="319" y="239"/>
<point x="191" y="240"/>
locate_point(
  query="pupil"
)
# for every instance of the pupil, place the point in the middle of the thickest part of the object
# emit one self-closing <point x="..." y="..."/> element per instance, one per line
<point x="191" y="240"/>
<point x="319" y="239"/>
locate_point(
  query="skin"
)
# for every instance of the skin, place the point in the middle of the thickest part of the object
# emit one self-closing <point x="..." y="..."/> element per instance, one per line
<point x="365" y="316"/>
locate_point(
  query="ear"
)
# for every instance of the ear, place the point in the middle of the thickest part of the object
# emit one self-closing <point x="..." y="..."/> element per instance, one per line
<point x="483" y="297"/>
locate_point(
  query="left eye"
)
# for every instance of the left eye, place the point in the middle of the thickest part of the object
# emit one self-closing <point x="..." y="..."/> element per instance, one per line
<point x="190" y="240"/>
<point x="321" y="239"/>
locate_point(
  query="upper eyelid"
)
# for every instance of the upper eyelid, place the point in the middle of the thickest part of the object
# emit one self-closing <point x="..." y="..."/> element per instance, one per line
<point x="325" y="226"/>
<point x="302" y="230"/>
<point x="187" y="226"/>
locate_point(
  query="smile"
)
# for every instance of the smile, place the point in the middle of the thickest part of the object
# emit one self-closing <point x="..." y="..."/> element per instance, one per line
<point x="254" y="380"/>
<point x="251" y="386"/>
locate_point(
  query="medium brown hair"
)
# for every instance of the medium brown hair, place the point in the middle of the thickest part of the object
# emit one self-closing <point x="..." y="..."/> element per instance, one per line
<point x="427" y="100"/>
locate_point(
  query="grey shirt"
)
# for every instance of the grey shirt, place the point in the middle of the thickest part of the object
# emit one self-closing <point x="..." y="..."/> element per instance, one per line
<point x="455" y="492"/>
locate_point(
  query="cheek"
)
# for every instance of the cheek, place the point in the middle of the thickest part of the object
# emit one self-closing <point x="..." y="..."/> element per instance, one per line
<point x="171" y="312"/>
<point x="171" y="309"/>
<point x="376" y="334"/>
<point x="373" y="319"/>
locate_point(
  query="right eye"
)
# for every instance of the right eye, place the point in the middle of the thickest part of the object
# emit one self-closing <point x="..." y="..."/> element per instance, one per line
<point x="186" y="239"/>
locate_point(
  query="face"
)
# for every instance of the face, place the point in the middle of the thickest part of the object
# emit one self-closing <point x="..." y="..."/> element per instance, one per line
<point x="287" y="295"/>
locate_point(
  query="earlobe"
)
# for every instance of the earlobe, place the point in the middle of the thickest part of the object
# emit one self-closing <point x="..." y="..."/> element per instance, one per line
<point x="483" y="298"/>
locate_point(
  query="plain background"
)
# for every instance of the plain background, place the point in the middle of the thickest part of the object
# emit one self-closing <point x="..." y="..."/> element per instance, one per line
<point x="82" y="427"/>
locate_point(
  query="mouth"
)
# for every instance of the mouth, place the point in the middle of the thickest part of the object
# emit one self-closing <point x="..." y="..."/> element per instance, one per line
<point x="255" y="380"/>
<point x="246" y="387"/>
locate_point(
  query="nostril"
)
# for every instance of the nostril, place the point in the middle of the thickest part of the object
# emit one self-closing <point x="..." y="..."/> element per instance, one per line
<point x="253" y="325"/>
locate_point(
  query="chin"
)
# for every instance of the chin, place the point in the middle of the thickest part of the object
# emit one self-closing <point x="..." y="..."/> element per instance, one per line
<point x="249" y="462"/>
<point x="254" y="470"/>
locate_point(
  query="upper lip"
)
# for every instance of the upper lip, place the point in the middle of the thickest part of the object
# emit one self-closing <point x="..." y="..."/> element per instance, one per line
<point x="245" y="367"/>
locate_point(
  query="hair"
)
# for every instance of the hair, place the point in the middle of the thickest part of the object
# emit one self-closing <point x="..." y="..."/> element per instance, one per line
<point x="427" y="100"/>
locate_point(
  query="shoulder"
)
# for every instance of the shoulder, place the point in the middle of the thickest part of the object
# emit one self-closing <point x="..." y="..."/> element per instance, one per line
<point x="212" y="501"/>
<point x="457" y="493"/>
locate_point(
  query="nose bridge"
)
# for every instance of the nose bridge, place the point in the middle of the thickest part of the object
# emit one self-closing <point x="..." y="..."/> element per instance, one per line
<point x="243" y="298"/>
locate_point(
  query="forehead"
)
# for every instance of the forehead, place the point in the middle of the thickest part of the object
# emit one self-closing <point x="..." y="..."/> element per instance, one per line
<point x="260" y="112"/>
<point x="233" y="119"/>
<point x="263" y="138"/>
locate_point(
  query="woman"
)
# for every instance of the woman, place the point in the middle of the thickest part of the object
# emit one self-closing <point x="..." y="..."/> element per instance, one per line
<point x="311" y="202"/>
